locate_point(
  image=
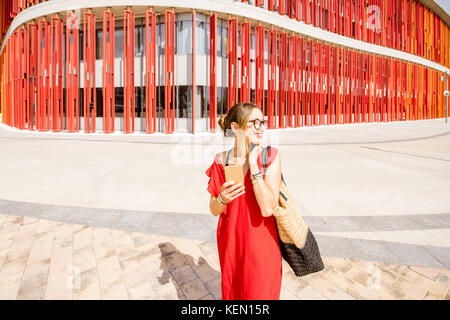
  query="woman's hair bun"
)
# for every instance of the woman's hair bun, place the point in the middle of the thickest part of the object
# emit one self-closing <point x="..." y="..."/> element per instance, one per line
<point x="222" y="121"/>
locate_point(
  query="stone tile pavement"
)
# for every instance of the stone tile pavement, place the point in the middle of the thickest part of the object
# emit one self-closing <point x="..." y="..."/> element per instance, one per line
<point x="44" y="259"/>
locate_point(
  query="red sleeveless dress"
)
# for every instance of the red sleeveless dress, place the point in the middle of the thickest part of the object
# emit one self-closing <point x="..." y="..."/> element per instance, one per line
<point x="249" y="251"/>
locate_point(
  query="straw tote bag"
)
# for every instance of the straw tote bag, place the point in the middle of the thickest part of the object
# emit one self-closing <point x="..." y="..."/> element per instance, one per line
<point x="298" y="245"/>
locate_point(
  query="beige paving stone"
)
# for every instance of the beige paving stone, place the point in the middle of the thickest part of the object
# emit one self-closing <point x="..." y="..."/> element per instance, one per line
<point x="89" y="287"/>
<point x="115" y="292"/>
<point x="287" y="294"/>
<point x="443" y="279"/>
<point x="9" y="229"/>
<point x="104" y="249"/>
<point x="45" y="226"/>
<point x="61" y="260"/>
<point x="101" y="234"/>
<point x="416" y="292"/>
<point x="208" y="297"/>
<point x="361" y="292"/>
<point x="340" y="264"/>
<point x="309" y="293"/>
<point x="401" y="271"/>
<point x="37" y="293"/>
<point x="181" y="244"/>
<point x="215" y="287"/>
<point x="184" y="275"/>
<point x="36" y="267"/>
<point x="9" y="292"/>
<point x="124" y="246"/>
<point x="318" y="282"/>
<point x="430" y="273"/>
<point x="336" y="293"/>
<point x="63" y="233"/>
<point x="432" y="296"/>
<point x="11" y="267"/>
<point x="84" y="258"/>
<point x="42" y="246"/>
<point x="140" y="292"/>
<point x="10" y="280"/>
<point x="140" y="239"/>
<point x="34" y="282"/>
<point x="107" y="264"/>
<point x="17" y="251"/>
<point x="13" y="220"/>
<point x="293" y="283"/>
<point x="29" y="220"/>
<point x="118" y="233"/>
<point x="357" y="273"/>
<point x="163" y="288"/>
<point x="194" y="290"/>
<point x="134" y="278"/>
<point x="82" y="238"/>
<point x="59" y="286"/>
<point x="132" y="263"/>
<point x="432" y="286"/>
<point x="5" y="245"/>
<point x="110" y="278"/>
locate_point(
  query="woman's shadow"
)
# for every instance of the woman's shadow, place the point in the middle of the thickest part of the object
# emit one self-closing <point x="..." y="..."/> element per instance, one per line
<point x="192" y="281"/>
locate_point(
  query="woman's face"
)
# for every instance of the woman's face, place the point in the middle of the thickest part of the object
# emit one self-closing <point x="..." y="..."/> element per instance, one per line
<point x="255" y="134"/>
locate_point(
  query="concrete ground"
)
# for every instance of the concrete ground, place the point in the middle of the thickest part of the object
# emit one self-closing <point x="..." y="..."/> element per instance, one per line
<point x="99" y="207"/>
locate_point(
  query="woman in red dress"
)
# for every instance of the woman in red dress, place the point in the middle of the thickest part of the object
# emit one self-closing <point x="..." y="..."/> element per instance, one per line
<point x="247" y="239"/>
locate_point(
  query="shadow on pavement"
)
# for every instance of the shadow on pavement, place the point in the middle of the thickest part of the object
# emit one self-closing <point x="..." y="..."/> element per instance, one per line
<point x="193" y="281"/>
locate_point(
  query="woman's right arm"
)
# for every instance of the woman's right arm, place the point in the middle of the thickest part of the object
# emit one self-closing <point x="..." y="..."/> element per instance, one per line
<point x="216" y="206"/>
<point x="229" y="191"/>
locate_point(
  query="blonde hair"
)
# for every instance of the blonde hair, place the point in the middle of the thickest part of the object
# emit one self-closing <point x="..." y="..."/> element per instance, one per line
<point x="239" y="113"/>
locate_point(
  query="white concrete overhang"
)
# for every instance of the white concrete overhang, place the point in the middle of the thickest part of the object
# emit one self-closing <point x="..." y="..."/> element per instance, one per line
<point x="222" y="8"/>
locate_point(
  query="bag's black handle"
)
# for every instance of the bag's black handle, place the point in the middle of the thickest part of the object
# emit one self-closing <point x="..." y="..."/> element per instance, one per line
<point x="265" y="160"/>
<point x="228" y="156"/>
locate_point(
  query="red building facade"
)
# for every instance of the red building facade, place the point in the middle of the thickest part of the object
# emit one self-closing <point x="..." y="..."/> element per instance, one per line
<point x="48" y="66"/>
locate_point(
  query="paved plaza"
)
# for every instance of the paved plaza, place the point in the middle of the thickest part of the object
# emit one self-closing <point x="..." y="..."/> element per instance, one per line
<point x="126" y="216"/>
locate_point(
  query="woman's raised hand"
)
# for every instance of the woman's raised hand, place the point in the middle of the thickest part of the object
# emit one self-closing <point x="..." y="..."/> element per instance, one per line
<point x="230" y="191"/>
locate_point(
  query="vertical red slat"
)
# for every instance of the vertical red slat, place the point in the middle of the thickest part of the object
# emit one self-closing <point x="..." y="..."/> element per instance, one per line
<point x="212" y="73"/>
<point x="194" y="58"/>
<point x="271" y="66"/>
<point x="128" y="74"/>
<point x="259" y="55"/>
<point x="108" y="72"/>
<point x="43" y="91"/>
<point x="72" y="73"/>
<point x="169" y="74"/>
<point x="90" y="95"/>
<point x="245" y="61"/>
<point x="56" y="63"/>
<point x="32" y="43"/>
<point x="232" y="62"/>
<point x="150" y="71"/>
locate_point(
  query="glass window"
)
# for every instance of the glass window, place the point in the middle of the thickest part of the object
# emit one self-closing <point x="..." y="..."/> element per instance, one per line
<point x="184" y="105"/>
<point x="252" y="46"/>
<point x="161" y="38"/>
<point x="139" y="40"/>
<point x="200" y="37"/>
<point x="99" y="44"/>
<point x="224" y="39"/>
<point x="184" y="40"/>
<point x="118" y="43"/>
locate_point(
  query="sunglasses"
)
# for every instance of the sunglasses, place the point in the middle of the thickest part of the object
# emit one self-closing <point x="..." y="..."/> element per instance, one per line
<point x="257" y="123"/>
